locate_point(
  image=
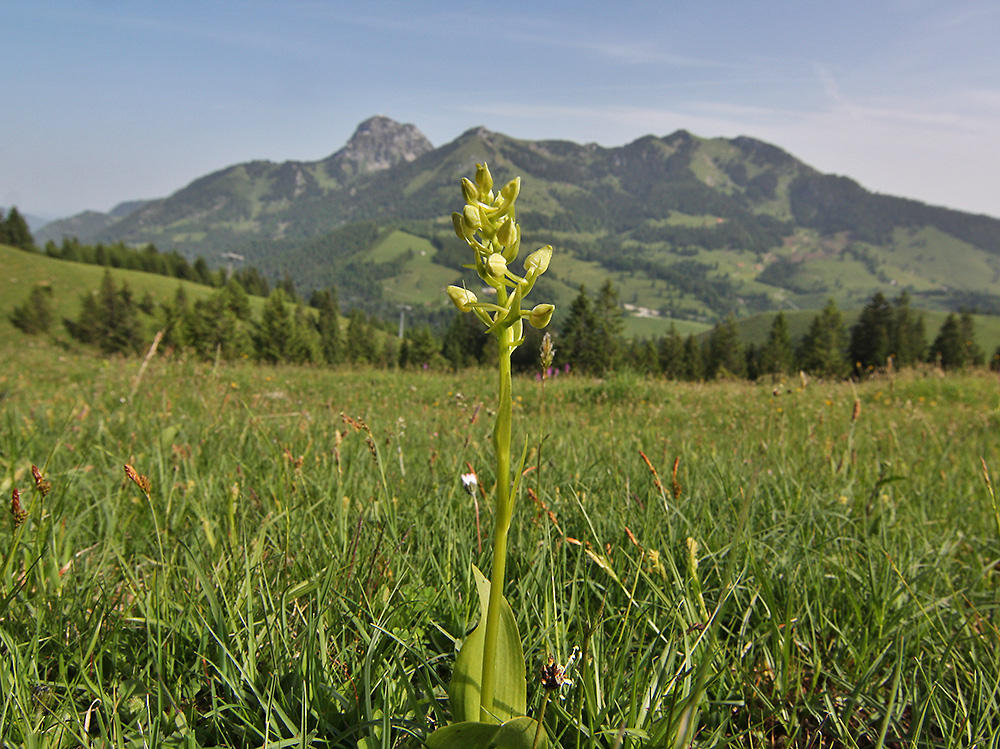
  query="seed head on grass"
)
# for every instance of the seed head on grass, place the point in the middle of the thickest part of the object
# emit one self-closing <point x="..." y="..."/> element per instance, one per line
<point x="547" y="354"/>
<point x="42" y="486"/>
<point x="141" y="481"/>
<point x="16" y="511"/>
<point x="674" y="482"/>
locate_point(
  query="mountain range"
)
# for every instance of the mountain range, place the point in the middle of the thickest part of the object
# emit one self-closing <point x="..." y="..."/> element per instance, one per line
<point x="688" y="228"/>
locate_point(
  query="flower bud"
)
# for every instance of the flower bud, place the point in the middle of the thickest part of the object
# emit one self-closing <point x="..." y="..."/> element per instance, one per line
<point x="540" y="315"/>
<point x="472" y="218"/>
<point x="469" y="190"/>
<point x="458" y="222"/>
<point x="538" y="261"/>
<point x="462" y="298"/>
<point x="496" y="265"/>
<point x="484" y="218"/>
<point x="483" y="178"/>
<point x="511" y="189"/>
<point x="507" y="233"/>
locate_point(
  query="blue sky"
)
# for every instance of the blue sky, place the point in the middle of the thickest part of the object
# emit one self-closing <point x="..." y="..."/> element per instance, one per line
<point x="111" y="100"/>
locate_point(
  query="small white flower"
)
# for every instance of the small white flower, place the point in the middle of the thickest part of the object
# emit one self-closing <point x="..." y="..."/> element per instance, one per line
<point x="470" y="483"/>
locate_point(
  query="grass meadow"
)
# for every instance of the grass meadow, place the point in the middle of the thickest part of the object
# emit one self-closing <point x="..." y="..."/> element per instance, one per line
<point x="738" y="565"/>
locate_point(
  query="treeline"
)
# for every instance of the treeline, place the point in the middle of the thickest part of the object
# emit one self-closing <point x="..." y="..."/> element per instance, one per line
<point x="14" y="232"/>
<point x="224" y="326"/>
<point x="150" y="260"/>
<point x="887" y="336"/>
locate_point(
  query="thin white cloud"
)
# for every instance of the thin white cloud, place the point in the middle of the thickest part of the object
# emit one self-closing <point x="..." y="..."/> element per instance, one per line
<point x="636" y="53"/>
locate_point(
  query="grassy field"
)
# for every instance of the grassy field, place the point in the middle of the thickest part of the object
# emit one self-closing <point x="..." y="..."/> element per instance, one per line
<point x="812" y="568"/>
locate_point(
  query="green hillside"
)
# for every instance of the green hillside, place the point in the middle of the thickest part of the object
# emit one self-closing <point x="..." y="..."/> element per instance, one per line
<point x="21" y="271"/>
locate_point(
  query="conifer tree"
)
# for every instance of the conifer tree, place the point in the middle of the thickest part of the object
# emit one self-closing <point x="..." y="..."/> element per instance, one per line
<point x="724" y="355"/>
<point x="967" y="328"/>
<point x="606" y="336"/>
<point x="202" y="273"/>
<point x="174" y="316"/>
<point x="288" y="284"/>
<point x="328" y="323"/>
<point x="108" y="319"/>
<point x="14" y="231"/>
<point x="388" y="354"/>
<point x="907" y="336"/>
<point x="34" y="315"/>
<point x="120" y="321"/>
<point x="822" y="351"/>
<point x="360" y="345"/>
<point x="271" y="336"/>
<point x="465" y="342"/>
<point x="776" y="357"/>
<point x="236" y="300"/>
<point x="304" y="345"/>
<point x="576" y="342"/>
<point x="946" y="350"/>
<point x="751" y="356"/>
<point x="955" y="345"/>
<point x="422" y="347"/>
<point x="644" y="357"/>
<point x="220" y="325"/>
<point x="693" y="368"/>
<point x="670" y="353"/>
<point x="869" y="348"/>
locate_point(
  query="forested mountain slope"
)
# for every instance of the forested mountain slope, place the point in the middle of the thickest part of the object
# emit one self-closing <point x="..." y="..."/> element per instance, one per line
<point x="688" y="227"/>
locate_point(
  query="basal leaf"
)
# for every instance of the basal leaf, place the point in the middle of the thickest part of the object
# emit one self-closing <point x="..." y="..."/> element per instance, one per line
<point x="518" y="733"/>
<point x="510" y="699"/>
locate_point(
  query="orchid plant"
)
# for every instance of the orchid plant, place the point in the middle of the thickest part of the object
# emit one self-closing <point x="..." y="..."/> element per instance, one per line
<point x="488" y="687"/>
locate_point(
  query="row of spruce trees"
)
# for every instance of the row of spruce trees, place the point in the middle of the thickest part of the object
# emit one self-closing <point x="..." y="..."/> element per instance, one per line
<point x="887" y="334"/>
<point x="590" y="341"/>
<point x="223" y="325"/>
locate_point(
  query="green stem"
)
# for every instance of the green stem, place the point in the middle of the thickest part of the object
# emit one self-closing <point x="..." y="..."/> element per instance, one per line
<point x="501" y="445"/>
<point x="541" y="717"/>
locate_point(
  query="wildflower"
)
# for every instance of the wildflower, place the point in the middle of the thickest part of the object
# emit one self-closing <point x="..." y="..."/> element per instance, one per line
<point x="488" y="226"/>
<point x="470" y="483"/>
<point x="553" y="676"/>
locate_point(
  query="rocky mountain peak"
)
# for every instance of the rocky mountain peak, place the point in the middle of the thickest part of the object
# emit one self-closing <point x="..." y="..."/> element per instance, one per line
<point x="379" y="143"/>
